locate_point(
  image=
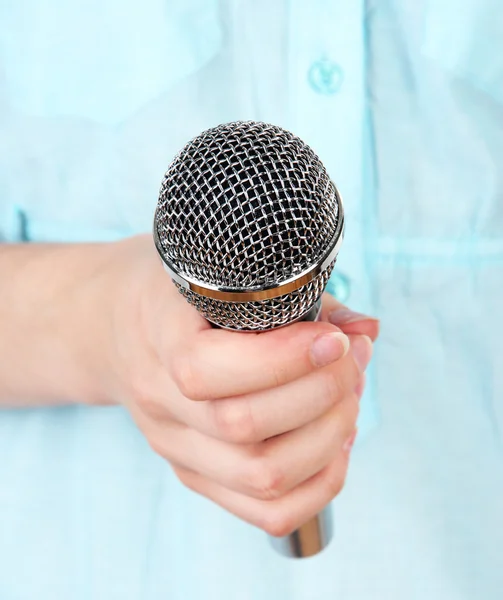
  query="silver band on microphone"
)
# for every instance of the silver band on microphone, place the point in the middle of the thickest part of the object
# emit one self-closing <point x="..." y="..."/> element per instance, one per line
<point x="265" y="292"/>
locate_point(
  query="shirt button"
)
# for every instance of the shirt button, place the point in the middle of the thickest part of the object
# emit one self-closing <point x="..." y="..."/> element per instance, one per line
<point x="339" y="286"/>
<point x="325" y="76"/>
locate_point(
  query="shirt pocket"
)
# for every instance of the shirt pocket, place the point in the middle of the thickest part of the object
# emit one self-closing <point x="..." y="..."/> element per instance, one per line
<point x="101" y="59"/>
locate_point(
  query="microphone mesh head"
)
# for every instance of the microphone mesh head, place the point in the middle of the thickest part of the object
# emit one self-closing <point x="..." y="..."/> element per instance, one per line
<point x="247" y="206"/>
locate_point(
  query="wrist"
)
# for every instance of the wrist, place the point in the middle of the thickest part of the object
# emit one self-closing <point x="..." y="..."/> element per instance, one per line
<point x="53" y="328"/>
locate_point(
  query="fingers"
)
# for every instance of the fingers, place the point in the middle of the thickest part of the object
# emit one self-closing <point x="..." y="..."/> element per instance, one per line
<point x="348" y="321"/>
<point x="258" y="416"/>
<point x="293" y="470"/>
<point x="253" y="362"/>
<point x="283" y="515"/>
<point x="266" y="470"/>
<point x="296" y="456"/>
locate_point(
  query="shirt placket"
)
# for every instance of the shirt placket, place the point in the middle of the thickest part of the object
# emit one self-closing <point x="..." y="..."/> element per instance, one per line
<point x="328" y="110"/>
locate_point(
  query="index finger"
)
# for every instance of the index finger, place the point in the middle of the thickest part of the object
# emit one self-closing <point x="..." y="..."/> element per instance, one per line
<point x="216" y="363"/>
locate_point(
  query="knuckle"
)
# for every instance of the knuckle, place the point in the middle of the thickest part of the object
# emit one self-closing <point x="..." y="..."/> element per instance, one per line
<point x="335" y="482"/>
<point x="186" y="378"/>
<point x="143" y="395"/>
<point x="147" y="404"/>
<point x="234" y="421"/>
<point x="158" y="445"/>
<point x="277" y="523"/>
<point x="186" y="478"/>
<point x="264" y="478"/>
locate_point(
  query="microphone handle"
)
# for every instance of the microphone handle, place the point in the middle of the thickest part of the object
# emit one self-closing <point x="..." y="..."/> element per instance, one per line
<point x="315" y="535"/>
<point x="311" y="537"/>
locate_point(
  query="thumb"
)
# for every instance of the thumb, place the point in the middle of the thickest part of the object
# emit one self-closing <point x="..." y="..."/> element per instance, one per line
<point x="348" y="321"/>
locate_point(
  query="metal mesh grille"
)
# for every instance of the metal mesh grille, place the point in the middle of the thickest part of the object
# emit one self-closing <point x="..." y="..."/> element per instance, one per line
<point x="245" y="204"/>
<point x="259" y="316"/>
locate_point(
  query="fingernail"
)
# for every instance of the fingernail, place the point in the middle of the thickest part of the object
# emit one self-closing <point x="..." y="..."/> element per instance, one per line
<point x="348" y="444"/>
<point x="361" y="347"/>
<point x="342" y="316"/>
<point x="329" y="347"/>
<point x="360" y="386"/>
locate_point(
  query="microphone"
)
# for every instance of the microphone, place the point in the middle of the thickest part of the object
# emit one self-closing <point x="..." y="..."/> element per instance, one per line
<point x="248" y="226"/>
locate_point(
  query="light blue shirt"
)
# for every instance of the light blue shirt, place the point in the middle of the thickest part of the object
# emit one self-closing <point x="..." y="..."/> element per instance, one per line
<point x="403" y="101"/>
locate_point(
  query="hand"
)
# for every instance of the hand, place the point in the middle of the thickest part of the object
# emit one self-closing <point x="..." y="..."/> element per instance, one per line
<point x="260" y="423"/>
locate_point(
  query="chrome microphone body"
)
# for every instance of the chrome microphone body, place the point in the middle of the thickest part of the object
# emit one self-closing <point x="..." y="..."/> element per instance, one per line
<point x="248" y="225"/>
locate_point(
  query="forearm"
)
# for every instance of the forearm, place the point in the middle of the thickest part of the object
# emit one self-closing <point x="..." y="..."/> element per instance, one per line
<point x="46" y="327"/>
